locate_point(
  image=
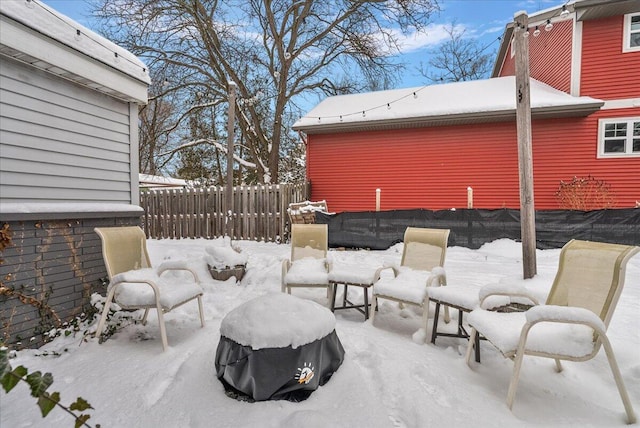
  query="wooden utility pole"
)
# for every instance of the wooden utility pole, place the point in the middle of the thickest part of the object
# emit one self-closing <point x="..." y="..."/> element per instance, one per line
<point x="525" y="156"/>
<point x="230" y="137"/>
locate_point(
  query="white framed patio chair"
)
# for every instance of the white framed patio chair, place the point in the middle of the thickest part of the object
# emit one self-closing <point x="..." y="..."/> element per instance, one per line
<point x="572" y="324"/>
<point x="421" y="266"/>
<point x="134" y="284"/>
<point x="308" y="265"/>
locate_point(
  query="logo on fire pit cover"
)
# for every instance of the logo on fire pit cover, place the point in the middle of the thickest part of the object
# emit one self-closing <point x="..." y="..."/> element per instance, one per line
<point x="305" y="374"/>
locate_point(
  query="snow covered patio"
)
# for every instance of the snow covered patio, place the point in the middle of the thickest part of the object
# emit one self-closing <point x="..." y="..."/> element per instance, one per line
<point x="386" y="380"/>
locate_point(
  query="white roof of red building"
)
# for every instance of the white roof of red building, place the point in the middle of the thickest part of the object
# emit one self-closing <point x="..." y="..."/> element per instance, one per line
<point x="460" y="102"/>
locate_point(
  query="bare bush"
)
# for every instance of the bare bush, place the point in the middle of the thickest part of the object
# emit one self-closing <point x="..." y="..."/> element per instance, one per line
<point x="585" y="194"/>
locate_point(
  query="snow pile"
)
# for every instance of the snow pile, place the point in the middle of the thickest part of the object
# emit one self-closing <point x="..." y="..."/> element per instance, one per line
<point x="222" y="255"/>
<point x="277" y="320"/>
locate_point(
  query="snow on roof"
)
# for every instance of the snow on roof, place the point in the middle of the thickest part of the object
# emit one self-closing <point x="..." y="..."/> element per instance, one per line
<point x="49" y="22"/>
<point x="147" y="180"/>
<point x="473" y="99"/>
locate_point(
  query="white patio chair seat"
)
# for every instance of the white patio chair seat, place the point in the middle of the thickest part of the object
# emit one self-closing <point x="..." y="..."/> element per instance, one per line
<point x="407" y="286"/>
<point x="129" y="293"/>
<point x="503" y="331"/>
<point x="309" y="271"/>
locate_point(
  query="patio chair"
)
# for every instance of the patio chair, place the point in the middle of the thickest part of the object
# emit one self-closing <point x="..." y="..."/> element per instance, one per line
<point x="308" y="266"/>
<point x="421" y="266"/>
<point x="572" y="324"/>
<point x="134" y="284"/>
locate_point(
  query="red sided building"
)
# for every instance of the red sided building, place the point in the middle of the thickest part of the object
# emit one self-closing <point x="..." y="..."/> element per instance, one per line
<point x="424" y="147"/>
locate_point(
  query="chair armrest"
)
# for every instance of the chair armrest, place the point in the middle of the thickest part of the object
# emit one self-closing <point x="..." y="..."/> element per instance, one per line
<point x="565" y="314"/>
<point x="437" y="274"/>
<point x="489" y="290"/>
<point x="380" y="269"/>
<point x="176" y="265"/>
<point x="132" y="277"/>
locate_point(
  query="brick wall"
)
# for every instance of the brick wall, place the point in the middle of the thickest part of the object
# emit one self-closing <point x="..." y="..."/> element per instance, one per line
<point x="58" y="264"/>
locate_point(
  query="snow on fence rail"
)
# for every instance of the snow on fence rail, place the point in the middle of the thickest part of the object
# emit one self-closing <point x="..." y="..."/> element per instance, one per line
<point x="259" y="212"/>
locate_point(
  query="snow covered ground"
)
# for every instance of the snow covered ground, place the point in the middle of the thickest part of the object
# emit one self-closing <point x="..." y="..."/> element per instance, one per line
<point x="386" y="380"/>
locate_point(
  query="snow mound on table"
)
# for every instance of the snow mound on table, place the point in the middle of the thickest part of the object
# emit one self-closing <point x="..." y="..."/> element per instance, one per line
<point x="277" y="320"/>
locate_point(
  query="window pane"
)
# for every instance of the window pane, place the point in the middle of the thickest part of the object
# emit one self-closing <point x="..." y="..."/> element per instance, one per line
<point x="614" y="146"/>
<point x="636" y="145"/>
<point x="636" y="129"/>
<point x="634" y="40"/>
<point x="635" y="23"/>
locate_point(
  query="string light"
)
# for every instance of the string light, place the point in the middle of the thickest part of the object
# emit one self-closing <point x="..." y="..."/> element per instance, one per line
<point x="565" y="13"/>
<point x="30" y="4"/>
<point x="549" y="26"/>
<point x="536" y="33"/>
<point x="388" y="106"/>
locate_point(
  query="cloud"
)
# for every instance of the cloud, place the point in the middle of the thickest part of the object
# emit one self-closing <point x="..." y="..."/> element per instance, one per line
<point x="433" y="35"/>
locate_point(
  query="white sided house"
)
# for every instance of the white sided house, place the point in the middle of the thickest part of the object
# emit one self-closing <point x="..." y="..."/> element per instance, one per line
<point x="69" y="102"/>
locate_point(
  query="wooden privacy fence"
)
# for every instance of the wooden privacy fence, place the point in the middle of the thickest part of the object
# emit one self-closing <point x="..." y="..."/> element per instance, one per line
<point x="259" y="212"/>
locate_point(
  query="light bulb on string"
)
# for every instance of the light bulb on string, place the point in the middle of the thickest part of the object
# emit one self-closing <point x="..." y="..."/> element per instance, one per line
<point x="415" y="95"/>
<point x="388" y="106"/>
<point x="536" y="33"/>
<point x="526" y="33"/>
<point x="364" y="114"/>
<point x="565" y="13"/>
<point x="549" y="25"/>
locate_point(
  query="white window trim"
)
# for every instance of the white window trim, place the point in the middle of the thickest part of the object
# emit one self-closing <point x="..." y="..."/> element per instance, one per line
<point x="601" y="126"/>
<point x="626" y="34"/>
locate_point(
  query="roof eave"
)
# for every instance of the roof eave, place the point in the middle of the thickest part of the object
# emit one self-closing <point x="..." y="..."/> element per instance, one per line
<point x="580" y="110"/>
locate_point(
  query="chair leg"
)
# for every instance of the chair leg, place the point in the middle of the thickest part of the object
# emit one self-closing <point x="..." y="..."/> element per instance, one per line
<point x="515" y="376"/>
<point x="201" y="311"/>
<point x="105" y="312"/>
<point x="472" y="342"/>
<point x="144" y="316"/>
<point x="163" y="330"/>
<point x="425" y="320"/>
<point x="631" y="417"/>
<point x="434" y="331"/>
<point x="558" y="365"/>
<point x="374" y="307"/>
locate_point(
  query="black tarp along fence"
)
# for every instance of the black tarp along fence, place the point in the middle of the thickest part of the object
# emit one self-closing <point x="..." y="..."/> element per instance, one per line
<point x="471" y="228"/>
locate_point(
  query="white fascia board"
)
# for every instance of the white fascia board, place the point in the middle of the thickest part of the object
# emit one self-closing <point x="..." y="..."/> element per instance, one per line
<point x="32" y="43"/>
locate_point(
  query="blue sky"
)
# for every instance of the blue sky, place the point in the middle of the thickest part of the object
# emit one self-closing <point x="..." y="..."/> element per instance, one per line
<point x="484" y="20"/>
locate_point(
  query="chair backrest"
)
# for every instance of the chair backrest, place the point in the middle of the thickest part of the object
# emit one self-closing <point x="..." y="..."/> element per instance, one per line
<point x="424" y="248"/>
<point x="591" y="276"/>
<point x="309" y="240"/>
<point x="123" y="249"/>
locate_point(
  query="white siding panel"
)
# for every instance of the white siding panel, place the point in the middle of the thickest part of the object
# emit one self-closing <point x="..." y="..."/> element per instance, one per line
<point x="56" y="180"/>
<point x="15" y="146"/>
<point x="59" y="141"/>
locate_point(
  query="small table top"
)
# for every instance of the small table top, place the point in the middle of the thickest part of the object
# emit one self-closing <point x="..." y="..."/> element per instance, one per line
<point x="353" y="274"/>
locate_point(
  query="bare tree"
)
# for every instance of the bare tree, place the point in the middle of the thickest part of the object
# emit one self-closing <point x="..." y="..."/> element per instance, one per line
<point x="457" y="59"/>
<point x="278" y="52"/>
